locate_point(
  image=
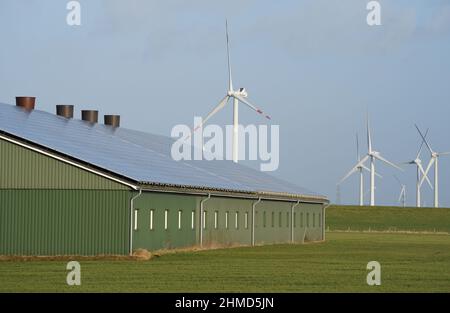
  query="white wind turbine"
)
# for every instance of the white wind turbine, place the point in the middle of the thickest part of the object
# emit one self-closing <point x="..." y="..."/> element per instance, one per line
<point x="238" y="96"/>
<point x="359" y="167"/>
<point x="420" y="173"/>
<point x="402" y="196"/>
<point x="372" y="155"/>
<point x="434" y="160"/>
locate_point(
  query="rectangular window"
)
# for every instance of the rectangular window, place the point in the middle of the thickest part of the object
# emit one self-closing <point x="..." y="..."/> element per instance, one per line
<point x="216" y="219"/>
<point x="301" y="220"/>
<point x="264" y="219"/>
<point x="287" y="219"/>
<point x="314" y="219"/>
<point x="204" y="219"/>
<point x="236" y="220"/>
<point x="151" y="219"/>
<point x="166" y="217"/>
<point x="246" y="220"/>
<point x="320" y="220"/>
<point x="193" y="220"/>
<point x="295" y="219"/>
<point x="273" y="219"/>
<point x="307" y="219"/>
<point x="226" y="219"/>
<point x="136" y="219"/>
<point x="279" y="219"/>
<point x="179" y="219"/>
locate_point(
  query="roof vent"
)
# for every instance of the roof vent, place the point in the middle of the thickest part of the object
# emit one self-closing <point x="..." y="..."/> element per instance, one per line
<point x="90" y="116"/>
<point x="64" y="110"/>
<point x="26" y="102"/>
<point x="112" y="120"/>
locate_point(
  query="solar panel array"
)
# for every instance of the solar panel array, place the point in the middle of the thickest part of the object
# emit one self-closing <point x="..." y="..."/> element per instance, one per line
<point x="139" y="156"/>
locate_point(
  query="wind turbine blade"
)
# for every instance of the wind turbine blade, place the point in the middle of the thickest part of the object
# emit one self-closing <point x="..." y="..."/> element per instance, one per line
<point x="354" y="169"/>
<point x="369" y="136"/>
<point x="379" y="157"/>
<point x="444" y="153"/>
<point x="397" y="179"/>
<point x="421" y="145"/>
<point x="357" y="148"/>
<point x="425" y="173"/>
<point x="219" y="107"/>
<point x="423" y="138"/>
<point x="251" y="106"/>
<point x="230" y="80"/>
<point x="401" y="194"/>
<point x="368" y="170"/>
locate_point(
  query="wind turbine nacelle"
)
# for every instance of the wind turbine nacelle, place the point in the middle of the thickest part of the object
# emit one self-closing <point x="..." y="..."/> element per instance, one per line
<point x="243" y="92"/>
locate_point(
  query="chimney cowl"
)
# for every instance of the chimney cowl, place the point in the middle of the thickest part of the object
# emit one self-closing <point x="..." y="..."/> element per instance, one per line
<point x="112" y="120"/>
<point x="90" y="116"/>
<point x="26" y="103"/>
<point x="64" y="110"/>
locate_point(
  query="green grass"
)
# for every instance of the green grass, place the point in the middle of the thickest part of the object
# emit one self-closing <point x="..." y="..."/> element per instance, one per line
<point x="409" y="262"/>
<point x="388" y="218"/>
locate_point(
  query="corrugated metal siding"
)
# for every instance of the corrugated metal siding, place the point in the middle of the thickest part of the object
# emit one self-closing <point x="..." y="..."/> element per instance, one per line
<point x="21" y="168"/>
<point x="222" y="234"/>
<point x="265" y="233"/>
<point x="158" y="237"/>
<point x="279" y="232"/>
<point x="313" y="230"/>
<point x="58" y="222"/>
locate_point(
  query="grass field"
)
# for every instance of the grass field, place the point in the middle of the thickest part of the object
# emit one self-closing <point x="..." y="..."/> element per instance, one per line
<point x="388" y="218"/>
<point x="409" y="262"/>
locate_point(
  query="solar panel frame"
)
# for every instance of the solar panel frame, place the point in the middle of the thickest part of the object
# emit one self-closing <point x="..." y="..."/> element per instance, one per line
<point x="139" y="156"/>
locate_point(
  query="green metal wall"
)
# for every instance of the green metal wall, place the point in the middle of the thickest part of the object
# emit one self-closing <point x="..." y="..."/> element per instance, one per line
<point x="274" y="222"/>
<point x="227" y="235"/>
<point x="21" y="168"/>
<point x="220" y="229"/>
<point x="159" y="237"/>
<point x="309" y="222"/>
<point x="61" y="222"/>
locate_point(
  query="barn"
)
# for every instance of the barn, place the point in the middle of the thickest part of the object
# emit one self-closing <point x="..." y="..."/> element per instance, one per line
<point x="78" y="187"/>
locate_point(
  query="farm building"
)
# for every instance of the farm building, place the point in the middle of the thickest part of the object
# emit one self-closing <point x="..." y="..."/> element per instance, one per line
<point x="70" y="186"/>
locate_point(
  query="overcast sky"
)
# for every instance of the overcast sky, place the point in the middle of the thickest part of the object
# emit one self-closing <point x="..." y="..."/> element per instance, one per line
<point x="315" y="66"/>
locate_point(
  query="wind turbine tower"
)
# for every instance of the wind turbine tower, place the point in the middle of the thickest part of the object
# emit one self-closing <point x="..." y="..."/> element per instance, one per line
<point x="434" y="160"/>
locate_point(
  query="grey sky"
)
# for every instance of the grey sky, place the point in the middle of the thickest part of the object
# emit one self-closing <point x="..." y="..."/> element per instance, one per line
<point x="315" y="66"/>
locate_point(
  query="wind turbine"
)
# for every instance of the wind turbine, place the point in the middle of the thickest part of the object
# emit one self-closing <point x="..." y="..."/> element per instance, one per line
<point x="420" y="173"/>
<point x="359" y="167"/>
<point x="434" y="160"/>
<point x="239" y="95"/>
<point x="402" y="197"/>
<point x="373" y="155"/>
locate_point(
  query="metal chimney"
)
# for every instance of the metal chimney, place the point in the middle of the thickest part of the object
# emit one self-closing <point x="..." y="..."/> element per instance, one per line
<point x="26" y="102"/>
<point x="90" y="116"/>
<point x="64" y="110"/>
<point x="112" y="120"/>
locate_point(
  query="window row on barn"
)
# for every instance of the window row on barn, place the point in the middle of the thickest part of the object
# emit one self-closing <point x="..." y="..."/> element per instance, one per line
<point x="231" y="219"/>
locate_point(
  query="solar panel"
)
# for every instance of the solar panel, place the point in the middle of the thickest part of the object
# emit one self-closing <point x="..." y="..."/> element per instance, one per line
<point x="140" y="156"/>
